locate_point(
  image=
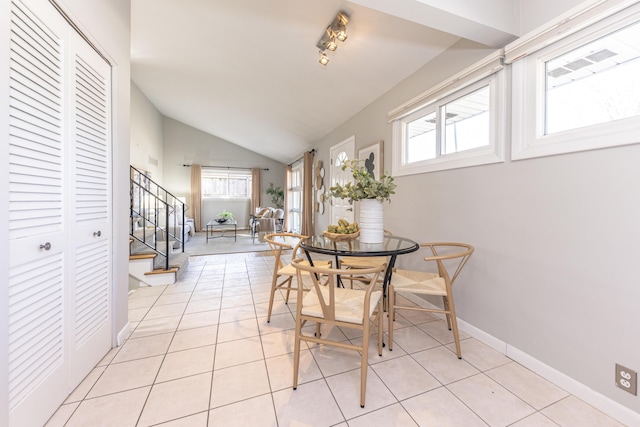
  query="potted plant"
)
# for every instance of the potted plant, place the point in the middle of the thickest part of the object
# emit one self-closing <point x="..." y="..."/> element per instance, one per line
<point x="365" y="185"/>
<point x="277" y="195"/>
<point x="224" y="216"/>
<point x="370" y="193"/>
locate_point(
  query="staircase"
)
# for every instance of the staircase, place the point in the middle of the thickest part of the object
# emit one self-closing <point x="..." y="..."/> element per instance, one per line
<point x="156" y="236"/>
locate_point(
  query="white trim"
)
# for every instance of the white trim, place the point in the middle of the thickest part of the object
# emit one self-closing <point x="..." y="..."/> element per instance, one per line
<point x="581" y="391"/>
<point x="601" y="402"/>
<point x="568" y="23"/>
<point x="481" y="69"/>
<point x="123" y="334"/>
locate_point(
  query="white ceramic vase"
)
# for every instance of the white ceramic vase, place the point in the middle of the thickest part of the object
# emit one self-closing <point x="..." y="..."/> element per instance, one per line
<point x="371" y="221"/>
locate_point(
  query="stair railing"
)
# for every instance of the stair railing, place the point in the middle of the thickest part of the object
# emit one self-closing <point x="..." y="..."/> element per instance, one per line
<point x="157" y="211"/>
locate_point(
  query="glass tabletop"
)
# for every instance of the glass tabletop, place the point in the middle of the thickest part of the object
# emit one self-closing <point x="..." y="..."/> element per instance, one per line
<point x="227" y="222"/>
<point x="392" y="245"/>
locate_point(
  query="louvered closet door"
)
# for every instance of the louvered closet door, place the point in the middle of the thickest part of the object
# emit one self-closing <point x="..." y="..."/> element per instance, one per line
<point x="59" y="211"/>
<point x="37" y="356"/>
<point x="90" y="222"/>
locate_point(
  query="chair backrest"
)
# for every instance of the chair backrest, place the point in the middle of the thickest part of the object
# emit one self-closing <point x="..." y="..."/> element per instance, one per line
<point x="325" y="283"/>
<point x="456" y="252"/>
<point x="279" y="242"/>
<point x="278" y="214"/>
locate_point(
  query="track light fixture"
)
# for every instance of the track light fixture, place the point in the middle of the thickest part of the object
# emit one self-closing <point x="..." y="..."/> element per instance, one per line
<point x="324" y="59"/>
<point x="337" y="30"/>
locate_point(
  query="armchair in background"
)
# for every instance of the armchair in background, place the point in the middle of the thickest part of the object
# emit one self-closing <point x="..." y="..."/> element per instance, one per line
<point x="266" y="220"/>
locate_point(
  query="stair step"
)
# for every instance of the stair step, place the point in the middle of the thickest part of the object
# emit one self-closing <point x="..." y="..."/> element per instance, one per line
<point x="161" y="271"/>
<point x="143" y="256"/>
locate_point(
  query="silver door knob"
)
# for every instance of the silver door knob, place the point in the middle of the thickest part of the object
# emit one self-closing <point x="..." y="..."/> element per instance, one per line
<point x="97" y="233"/>
<point x="46" y="246"/>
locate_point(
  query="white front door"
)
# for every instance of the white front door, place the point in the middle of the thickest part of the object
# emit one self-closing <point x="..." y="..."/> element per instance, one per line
<point x="345" y="150"/>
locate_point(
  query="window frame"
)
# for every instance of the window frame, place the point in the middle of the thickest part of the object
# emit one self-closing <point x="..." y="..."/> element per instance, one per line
<point x="217" y="172"/>
<point x="295" y="212"/>
<point x="492" y="153"/>
<point x="528" y="75"/>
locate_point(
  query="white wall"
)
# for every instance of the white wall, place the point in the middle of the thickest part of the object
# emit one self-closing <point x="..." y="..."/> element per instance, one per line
<point x="554" y="273"/>
<point x="146" y="135"/>
<point x="185" y="145"/>
<point x="533" y="13"/>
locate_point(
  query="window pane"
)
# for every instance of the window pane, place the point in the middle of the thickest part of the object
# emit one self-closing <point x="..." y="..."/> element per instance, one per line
<point x="296" y="200"/>
<point x="467" y="122"/>
<point x="296" y="180"/>
<point x="295" y="222"/>
<point x="217" y="183"/>
<point x="596" y="83"/>
<point x="238" y="187"/>
<point x="341" y="158"/>
<point x="421" y="139"/>
<point x="214" y="186"/>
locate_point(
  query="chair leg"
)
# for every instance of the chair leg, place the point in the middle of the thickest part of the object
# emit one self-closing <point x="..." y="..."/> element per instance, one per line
<point x="454" y="326"/>
<point x="380" y="327"/>
<point x="274" y="284"/>
<point x="364" y="364"/>
<point x="289" y="280"/>
<point x="391" y="296"/>
<point x="296" y="352"/>
<point x="445" y="303"/>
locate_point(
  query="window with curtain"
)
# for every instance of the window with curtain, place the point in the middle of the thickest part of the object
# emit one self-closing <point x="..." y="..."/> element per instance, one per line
<point x="225" y="184"/>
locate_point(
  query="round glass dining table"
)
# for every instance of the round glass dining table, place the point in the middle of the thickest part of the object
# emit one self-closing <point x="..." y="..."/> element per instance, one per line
<point x="392" y="246"/>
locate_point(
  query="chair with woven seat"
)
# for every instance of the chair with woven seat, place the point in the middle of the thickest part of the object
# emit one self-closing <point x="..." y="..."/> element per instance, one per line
<point x="279" y="242"/>
<point x="448" y="256"/>
<point x="327" y="304"/>
<point x="359" y="262"/>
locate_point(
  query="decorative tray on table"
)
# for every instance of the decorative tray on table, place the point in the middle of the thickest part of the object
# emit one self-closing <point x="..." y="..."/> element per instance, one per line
<point x="337" y="237"/>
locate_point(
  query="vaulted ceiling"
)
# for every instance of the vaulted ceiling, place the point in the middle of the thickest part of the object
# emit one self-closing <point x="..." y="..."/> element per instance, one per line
<point x="247" y="71"/>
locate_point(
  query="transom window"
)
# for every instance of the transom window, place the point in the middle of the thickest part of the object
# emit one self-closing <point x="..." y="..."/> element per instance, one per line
<point x="581" y="92"/>
<point x="595" y="83"/>
<point x="464" y="125"/>
<point x="458" y="130"/>
<point x="222" y="183"/>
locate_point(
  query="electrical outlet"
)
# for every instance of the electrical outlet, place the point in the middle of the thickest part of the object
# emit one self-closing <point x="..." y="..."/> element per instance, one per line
<point x="627" y="379"/>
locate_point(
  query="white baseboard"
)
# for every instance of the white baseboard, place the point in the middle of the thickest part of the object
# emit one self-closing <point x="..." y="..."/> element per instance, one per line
<point x="123" y="334"/>
<point x="581" y="391"/>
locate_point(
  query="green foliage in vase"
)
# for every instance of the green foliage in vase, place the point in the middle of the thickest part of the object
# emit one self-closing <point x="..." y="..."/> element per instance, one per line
<point x="277" y="195"/>
<point x="225" y="214"/>
<point x="364" y="185"/>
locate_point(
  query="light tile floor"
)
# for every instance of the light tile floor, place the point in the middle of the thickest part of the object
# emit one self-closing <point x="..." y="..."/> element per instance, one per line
<point x="202" y="354"/>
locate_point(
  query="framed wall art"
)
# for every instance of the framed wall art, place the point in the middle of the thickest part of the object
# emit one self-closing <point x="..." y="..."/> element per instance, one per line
<point x="372" y="158"/>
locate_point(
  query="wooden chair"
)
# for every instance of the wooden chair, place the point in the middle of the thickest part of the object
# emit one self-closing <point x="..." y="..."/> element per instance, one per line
<point x="359" y="262"/>
<point x="444" y="254"/>
<point x="327" y="304"/>
<point x="279" y="242"/>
